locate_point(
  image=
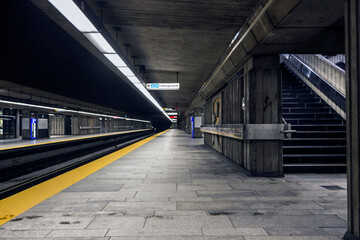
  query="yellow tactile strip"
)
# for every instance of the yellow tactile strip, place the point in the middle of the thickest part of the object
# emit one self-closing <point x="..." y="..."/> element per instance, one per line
<point x="73" y="139"/>
<point x="16" y="204"/>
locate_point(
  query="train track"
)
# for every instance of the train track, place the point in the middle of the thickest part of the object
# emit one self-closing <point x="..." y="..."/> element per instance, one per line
<point x="21" y="183"/>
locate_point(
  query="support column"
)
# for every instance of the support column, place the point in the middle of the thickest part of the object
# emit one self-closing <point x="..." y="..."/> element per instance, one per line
<point x="25" y="125"/>
<point x="352" y="41"/>
<point x="17" y="123"/>
<point x="196" y="120"/>
<point x="262" y="98"/>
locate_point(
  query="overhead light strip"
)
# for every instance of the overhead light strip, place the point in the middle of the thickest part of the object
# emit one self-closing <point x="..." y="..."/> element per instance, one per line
<point x="72" y="13"/>
<point x="62" y="110"/>
<point x="99" y="42"/>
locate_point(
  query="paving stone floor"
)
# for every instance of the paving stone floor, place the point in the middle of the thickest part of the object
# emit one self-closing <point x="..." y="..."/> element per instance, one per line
<point x="176" y="188"/>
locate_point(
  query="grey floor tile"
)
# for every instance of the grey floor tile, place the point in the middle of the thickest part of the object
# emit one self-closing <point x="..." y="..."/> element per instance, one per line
<point x="95" y="186"/>
<point x="140" y="238"/>
<point x="283" y="205"/>
<point x="223" y="194"/>
<point x="203" y="186"/>
<point x="70" y="207"/>
<point x="16" y="234"/>
<point x="83" y="233"/>
<point x="280" y="231"/>
<point x="291" y="238"/>
<point x="207" y="238"/>
<point x="188" y="222"/>
<point x="140" y="206"/>
<point x="234" y="231"/>
<point x="107" y="222"/>
<point x="48" y="223"/>
<point x="211" y="205"/>
<point x="159" y="193"/>
<point x="335" y="231"/>
<point x="287" y="221"/>
<point x="155" y="232"/>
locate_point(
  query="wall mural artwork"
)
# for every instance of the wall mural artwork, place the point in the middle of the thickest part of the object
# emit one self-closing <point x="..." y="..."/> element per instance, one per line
<point x="216" y="120"/>
<point x="91" y="122"/>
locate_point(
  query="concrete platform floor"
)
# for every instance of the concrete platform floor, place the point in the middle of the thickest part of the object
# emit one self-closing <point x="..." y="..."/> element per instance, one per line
<point x="176" y="188"/>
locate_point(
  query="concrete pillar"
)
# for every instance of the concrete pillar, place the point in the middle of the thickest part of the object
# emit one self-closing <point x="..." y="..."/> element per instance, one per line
<point x="103" y="125"/>
<point x="68" y="122"/>
<point x="187" y="122"/>
<point x="196" y="120"/>
<point x="352" y="32"/>
<point x="25" y="125"/>
<point x="262" y="98"/>
<point x="17" y="123"/>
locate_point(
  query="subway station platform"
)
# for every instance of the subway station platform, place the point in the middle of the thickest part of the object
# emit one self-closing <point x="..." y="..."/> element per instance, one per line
<point x="174" y="187"/>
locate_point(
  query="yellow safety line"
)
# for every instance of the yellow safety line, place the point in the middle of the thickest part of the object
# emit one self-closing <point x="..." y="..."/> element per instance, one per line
<point x="18" y="203"/>
<point x="72" y="139"/>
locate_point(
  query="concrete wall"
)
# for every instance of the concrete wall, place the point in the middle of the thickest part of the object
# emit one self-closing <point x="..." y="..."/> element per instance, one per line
<point x="260" y="87"/>
<point x="82" y="125"/>
<point x="229" y="100"/>
<point x="57" y="125"/>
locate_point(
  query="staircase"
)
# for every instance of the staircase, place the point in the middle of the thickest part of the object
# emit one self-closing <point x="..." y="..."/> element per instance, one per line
<point x="319" y="144"/>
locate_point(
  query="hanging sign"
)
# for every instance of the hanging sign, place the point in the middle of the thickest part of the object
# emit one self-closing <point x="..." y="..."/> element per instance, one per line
<point x="163" y="86"/>
<point x="171" y="109"/>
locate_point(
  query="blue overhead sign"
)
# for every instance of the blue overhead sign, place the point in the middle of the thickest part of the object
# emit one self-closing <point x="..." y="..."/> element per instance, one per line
<point x="163" y="86"/>
<point x="154" y="85"/>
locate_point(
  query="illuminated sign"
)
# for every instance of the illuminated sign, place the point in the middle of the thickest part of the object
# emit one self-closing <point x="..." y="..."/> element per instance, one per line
<point x="173" y="117"/>
<point x="163" y="86"/>
<point x="169" y="109"/>
<point x="33" y="128"/>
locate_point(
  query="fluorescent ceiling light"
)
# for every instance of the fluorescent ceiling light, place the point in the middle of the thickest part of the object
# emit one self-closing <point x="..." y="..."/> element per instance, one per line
<point x="70" y="111"/>
<point x="27" y="105"/>
<point x="72" y="13"/>
<point x="141" y="88"/>
<point x="126" y="71"/>
<point x="134" y="80"/>
<point x="99" y="42"/>
<point x="115" y="59"/>
<point x="172" y="113"/>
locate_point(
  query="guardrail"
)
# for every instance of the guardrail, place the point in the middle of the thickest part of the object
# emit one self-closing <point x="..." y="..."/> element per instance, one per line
<point x="87" y="127"/>
<point x="322" y="87"/>
<point x="326" y="69"/>
<point x="250" y="131"/>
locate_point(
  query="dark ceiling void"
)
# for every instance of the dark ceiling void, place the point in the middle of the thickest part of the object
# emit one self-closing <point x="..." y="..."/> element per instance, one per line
<point x="37" y="52"/>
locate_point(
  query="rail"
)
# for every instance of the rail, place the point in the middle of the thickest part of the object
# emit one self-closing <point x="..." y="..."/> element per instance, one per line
<point x="319" y="85"/>
<point x="326" y="69"/>
<point x="250" y="131"/>
<point x="20" y="160"/>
